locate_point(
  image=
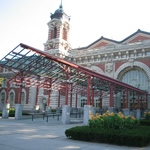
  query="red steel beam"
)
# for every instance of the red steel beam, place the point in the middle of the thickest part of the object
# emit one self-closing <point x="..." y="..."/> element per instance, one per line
<point x="111" y="95"/>
<point x="88" y="90"/>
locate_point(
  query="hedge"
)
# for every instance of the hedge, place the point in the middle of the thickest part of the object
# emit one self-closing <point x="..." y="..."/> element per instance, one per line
<point x="139" y="136"/>
<point x="145" y="122"/>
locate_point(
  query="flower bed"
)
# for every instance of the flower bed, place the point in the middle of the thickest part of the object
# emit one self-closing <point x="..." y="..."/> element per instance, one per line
<point x="11" y="112"/>
<point x="111" y="120"/>
<point x="112" y="128"/>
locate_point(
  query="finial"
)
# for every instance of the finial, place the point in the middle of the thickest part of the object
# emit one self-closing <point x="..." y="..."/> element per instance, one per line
<point x="61" y="5"/>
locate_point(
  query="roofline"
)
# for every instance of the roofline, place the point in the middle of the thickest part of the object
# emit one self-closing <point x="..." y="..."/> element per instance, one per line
<point x="117" y="42"/>
<point x="138" y="31"/>
<point x="81" y="68"/>
<point x="102" y="38"/>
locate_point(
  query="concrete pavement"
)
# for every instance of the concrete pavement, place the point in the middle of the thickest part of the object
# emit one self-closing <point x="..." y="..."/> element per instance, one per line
<point x="26" y="134"/>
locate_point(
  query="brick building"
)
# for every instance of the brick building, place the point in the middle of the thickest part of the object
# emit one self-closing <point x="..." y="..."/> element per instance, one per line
<point x="127" y="60"/>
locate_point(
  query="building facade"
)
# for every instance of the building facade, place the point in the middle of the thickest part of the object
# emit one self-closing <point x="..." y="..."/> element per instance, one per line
<point x="127" y="60"/>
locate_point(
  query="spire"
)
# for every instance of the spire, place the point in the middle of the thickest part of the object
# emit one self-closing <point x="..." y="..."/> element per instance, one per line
<point x="61" y="6"/>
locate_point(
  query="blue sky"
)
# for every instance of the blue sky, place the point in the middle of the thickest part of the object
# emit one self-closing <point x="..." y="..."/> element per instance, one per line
<point x="25" y="21"/>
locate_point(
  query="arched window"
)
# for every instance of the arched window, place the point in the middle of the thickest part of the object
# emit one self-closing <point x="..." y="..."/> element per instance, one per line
<point x="83" y="102"/>
<point x="2" y="98"/>
<point x="55" y="32"/>
<point x="64" y="34"/>
<point x="97" y="103"/>
<point x="136" y="78"/>
<point x="11" y="98"/>
<point x="22" y="98"/>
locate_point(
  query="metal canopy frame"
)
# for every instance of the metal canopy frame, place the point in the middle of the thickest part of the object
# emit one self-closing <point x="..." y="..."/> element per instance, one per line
<point x="38" y="68"/>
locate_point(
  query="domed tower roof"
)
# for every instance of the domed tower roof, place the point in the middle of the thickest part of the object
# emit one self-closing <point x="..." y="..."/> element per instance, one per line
<point x="59" y="13"/>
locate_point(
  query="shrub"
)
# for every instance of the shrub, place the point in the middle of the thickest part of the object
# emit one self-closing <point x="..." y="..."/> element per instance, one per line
<point x="145" y="122"/>
<point x="139" y="136"/>
<point x="54" y="110"/>
<point x="147" y="115"/>
<point x="111" y="120"/>
<point x="11" y="112"/>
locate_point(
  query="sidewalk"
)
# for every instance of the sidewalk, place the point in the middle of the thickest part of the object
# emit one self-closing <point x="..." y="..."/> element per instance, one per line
<point x="39" y="135"/>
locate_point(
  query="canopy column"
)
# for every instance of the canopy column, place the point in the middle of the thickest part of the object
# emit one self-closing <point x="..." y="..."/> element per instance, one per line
<point x="6" y="107"/>
<point x="133" y="101"/>
<point x="111" y="95"/>
<point x="18" y="111"/>
<point x="36" y="100"/>
<point x="127" y="99"/>
<point x="66" y="109"/>
<point x="141" y="102"/>
<point x="67" y="86"/>
<point x="71" y="96"/>
<point x="146" y="102"/>
<point x="88" y="90"/>
<point x="123" y="99"/>
<point x="88" y="108"/>
<point x="93" y="92"/>
<point x="138" y="101"/>
<point x="125" y="110"/>
<point x="100" y="104"/>
<point x="76" y="100"/>
<point x="59" y="98"/>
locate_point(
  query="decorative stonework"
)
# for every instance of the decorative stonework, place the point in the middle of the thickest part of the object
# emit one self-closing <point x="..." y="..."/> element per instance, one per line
<point x="129" y="64"/>
<point x="109" y="67"/>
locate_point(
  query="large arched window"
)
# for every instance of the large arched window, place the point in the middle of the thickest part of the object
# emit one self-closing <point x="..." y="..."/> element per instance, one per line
<point x="11" y="98"/>
<point x="2" y="98"/>
<point x="55" y="32"/>
<point x="136" y="78"/>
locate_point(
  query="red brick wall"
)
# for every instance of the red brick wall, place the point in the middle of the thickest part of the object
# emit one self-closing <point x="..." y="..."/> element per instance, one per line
<point x="102" y="66"/>
<point x="118" y="64"/>
<point x="139" y="38"/>
<point x="146" y="62"/>
<point x="101" y="44"/>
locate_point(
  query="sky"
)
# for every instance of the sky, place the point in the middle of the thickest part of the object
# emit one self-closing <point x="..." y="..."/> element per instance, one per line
<point x="25" y="21"/>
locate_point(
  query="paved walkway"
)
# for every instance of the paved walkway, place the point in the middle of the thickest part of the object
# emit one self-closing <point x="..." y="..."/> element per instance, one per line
<point x="39" y="135"/>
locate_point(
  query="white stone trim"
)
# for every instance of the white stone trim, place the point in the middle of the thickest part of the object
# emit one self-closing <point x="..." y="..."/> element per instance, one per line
<point x="135" y="63"/>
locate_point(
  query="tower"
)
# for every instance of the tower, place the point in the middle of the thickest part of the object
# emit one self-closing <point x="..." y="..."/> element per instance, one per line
<point x="58" y="34"/>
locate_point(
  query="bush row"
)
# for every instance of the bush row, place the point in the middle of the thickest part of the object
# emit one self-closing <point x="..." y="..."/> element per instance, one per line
<point x="139" y="136"/>
<point x="145" y="122"/>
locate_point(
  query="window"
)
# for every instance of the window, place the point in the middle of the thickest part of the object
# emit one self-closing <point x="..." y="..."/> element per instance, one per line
<point x="139" y="54"/>
<point x="22" y="98"/>
<point x="5" y="70"/>
<point x="116" y="57"/>
<point x="131" y="55"/>
<point x="2" y="98"/>
<point x="83" y="102"/>
<point x="124" y="56"/>
<point x="95" y="59"/>
<point x="103" y="59"/>
<point x="97" y="103"/>
<point x="11" y="98"/>
<point x="147" y="53"/>
<point x="55" y="33"/>
<point x="136" y="78"/>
